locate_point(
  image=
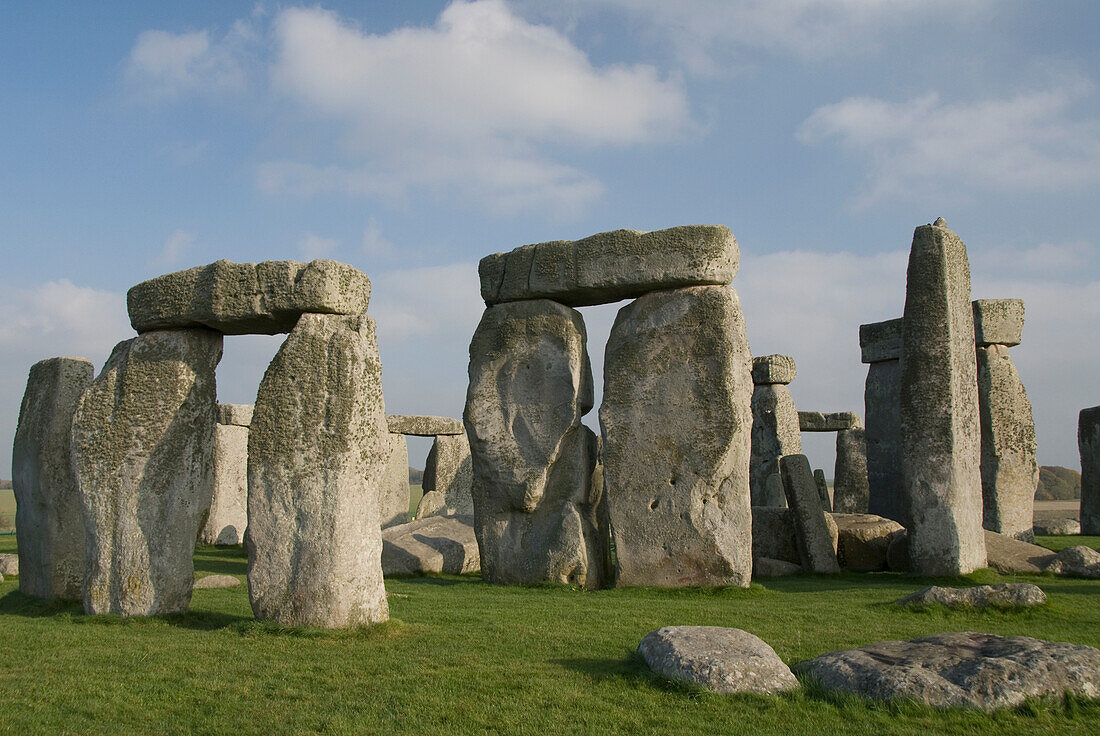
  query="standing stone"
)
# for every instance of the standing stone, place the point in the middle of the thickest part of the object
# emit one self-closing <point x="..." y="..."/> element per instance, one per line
<point x="850" y="489"/>
<point x="940" y="427"/>
<point x="1088" y="442"/>
<point x="822" y="489"/>
<point x="448" y="478"/>
<point x="811" y="524"/>
<point x="143" y="451"/>
<point x="775" y="423"/>
<point x="48" y="520"/>
<point x="228" y="515"/>
<point x="880" y="346"/>
<point x="537" y="515"/>
<point x="393" y="486"/>
<point x="316" y="452"/>
<point x="677" y="426"/>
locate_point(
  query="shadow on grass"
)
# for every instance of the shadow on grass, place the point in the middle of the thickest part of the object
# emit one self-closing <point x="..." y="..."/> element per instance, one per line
<point x="221" y="560"/>
<point x="387" y="630"/>
<point x="17" y="604"/>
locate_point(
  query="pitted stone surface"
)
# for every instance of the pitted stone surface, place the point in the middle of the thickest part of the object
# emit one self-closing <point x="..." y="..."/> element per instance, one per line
<point x="440" y="544"/>
<point x="850" y="490"/>
<point x="879" y="341"/>
<point x="774" y="434"/>
<point x="611" y="266"/>
<point x="9" y="564"/>
<point x="1057" y="527"/>
<point x="940" y="426"/>
<point x="677" y="425"/>
<point x="998" y="321"/>
<point x="247" y="298"/>
<point x="423" y="425"/>
<point x="537" y="514"/>
<point x="864" y="541"/>
<point x="317" y="450"/>
<point x="1088" y="443"/>
<point x="449" y="474"/>
<point x="836" y="421"/>
<point x="773" y="534"/>
<point x="143" y="446"/>
<point x="768" y="369"/>
<point x="227" y="517"/>
<point x="719" y="659"/>
<point x="237" y="415"/>
<point x="1079" y="561"/>
<point x="1002" y="595"/>
<point x="811" y="524"/>
<point x="48" y="518"/>
<point x="885" y="484"/>
<point x="393" y="486"/>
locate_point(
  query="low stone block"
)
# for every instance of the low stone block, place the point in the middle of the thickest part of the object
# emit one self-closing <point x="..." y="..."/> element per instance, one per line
<point x="424" y="425"/>
<point x="210" y="582"/>
<point x="1002" y="595"/>
<point x="439" y="544"/>
<point x="811" y="524"/>
<point x="837" y="421"/>
<point x="1010" y="556"/>
<point x="864" y="541"/>
<point x="1079" y="561"/>
<point x="766" y="567"/>
<point x="1057" y="527"/>
<point x="998" y="321"/>
<point x="879" y="341"/>
<point x="9" y="564"/>
<point x="718" y="659"/>
<point x="767" y="369"/>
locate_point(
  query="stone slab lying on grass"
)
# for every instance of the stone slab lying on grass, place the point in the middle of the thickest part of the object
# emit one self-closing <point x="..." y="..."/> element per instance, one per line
<point x="719" y="659"/>
<point x="9" y="564"/>
<point x="863" y="540"/>
<point x="960" y="670"/>
<point x="217" y="581"/>
<point x="1002" y="595"/>
<point x="766" y="567"/>
<point x="1079" y="561"/>
<point x="438" y="544"/>
<point x="1010" y="556"/>
<point x="1057" y="527"/>
<point x="419" y="425"/>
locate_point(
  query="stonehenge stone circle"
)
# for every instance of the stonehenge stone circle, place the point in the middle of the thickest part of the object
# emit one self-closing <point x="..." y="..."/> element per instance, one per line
<point x="880" y="346"/>
<point x="247" y="298"/>
<point x="940" y="427"/>
<point x="811" y="524"/>
<point x="48" y="518"/>
<point x="448" y="478"/>
<point x="537" y="515"/>
<point x="850" y="486"/>
<point x="611" y="266"/>
<point x="1088" y="443"/>
<point x="227" y="517"/>
<point x="677" y="425"/>
<point x="316" y="452"/>
<point x="142" y="451"/>
<point x="424" y="426"/>
<point x="393" y="485"/>
<point x="775" y="423"/>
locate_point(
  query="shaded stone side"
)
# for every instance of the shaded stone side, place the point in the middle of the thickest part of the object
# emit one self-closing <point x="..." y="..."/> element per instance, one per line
<point x="449" y="477"/>
<point x="48" y="519"/>
<point x="677" y="426"/>
<point x="811" y="524"/>
<point x="143" y="450"/>
<point x="882" y="409"/>
<point x="774" y="434"/>
<point x="823" y="489"/>
<point x="227" y="517"/>
<point x="940" y="428"/>
<point x="879" y="341"/>
<point x="1088" y="442"/>
<point x="316" y="453"/>
<point x="393" y="486"/>
<point x="537" y="515"/>
<point x="850" y="489"/>
<point x="1010" y="470"/>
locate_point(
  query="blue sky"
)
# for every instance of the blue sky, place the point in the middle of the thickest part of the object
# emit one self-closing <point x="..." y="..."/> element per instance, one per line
<point x="411" y="139"/>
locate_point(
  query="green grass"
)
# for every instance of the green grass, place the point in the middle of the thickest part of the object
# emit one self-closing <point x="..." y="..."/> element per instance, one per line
<point x="7" y="510"/>
<point x="463" y="657"/>
<point x="416" y="492"/>
<point x="1059" y="543"/>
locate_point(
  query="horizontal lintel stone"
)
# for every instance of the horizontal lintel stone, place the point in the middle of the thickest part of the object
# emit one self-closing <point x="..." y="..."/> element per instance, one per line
<point x="998" y="321"/>
<point x="423" y="426"/>
<point x="880" y="341"/>
<point x="837" y="421"/>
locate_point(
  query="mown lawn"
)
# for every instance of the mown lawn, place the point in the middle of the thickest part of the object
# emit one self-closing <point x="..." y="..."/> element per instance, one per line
<point x="463" y="657"/>
<point x="1059" y="543"/>
<point x="7" y="509"/>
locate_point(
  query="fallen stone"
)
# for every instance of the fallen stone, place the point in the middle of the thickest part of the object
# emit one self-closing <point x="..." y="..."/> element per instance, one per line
<point x="880" y="341"/>
<point x="247" y="298"/>
<point x="766" y="567"/>
<point x="773" y="534"/>
<point x="48" y="520"/>
<point x="1079" y="561"/>
<point x="998" y="321"/>
<point x="431" y="504"/>
<point x="816" y="421"/>
<point x="227" y="517"/>
<point x="143" y="450"/>
<point x="217" y="581"/>
<point x="822" y="489"/>
<point x="864" y="541"/>
<point x="1010" y="556"/>
<point x="677" y="425"/>
<point x="1002" y="595"/>
<point x="449" y="473"/>
<point x="960" y="670"/>
<point x="9" y="564"/>
<point x="850" y="490"/>
<point x="440" y="544"/>
<point x="774" y="434"/>
<point x="538" y="516"/>
<point x="1088" y="442"/>
<point x="393" y="486"/>
<point x="719" y="659"/>
<point x="424" y="426"/>
<point x="882" y="402"/>
<point x="773" y="369"/>
<point x="1057" y="527"/>
<point x="317" y="450"/>
<point x="811" y="523"/>
<point x="235" y="415"/>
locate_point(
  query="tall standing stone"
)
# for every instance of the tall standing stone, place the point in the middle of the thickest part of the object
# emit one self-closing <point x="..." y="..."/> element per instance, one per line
<point x="393" y="486"/>
<point x="448" y="478"/>
<point x="940" y="427"/>
<point x="775" y="428"/>
<point x="850" y="486"/>
<point x="228" y="515"/>
<point x="537" y="514"/>
<point x="143" y="446"/>
<point x="1088" y="442"/>
<point x="316" y="453"/>
<point x="811" y="524"/>
<point x="677" y="426"/>
<point x="880" y="346"/>
<point x="48" y="520"/>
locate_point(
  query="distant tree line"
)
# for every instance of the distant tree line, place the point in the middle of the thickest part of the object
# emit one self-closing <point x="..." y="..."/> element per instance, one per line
<point x="1058" y="484"/>
<point x="416" y="477"/>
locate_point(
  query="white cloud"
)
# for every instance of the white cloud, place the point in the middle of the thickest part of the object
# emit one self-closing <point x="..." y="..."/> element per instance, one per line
<point x="163" y="65"/>
<point x="1031" y="141"/>
<point x="314" y="246"/>
<point x="173" y="250"/>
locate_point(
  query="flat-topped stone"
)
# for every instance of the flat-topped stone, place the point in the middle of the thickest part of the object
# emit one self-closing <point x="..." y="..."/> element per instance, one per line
<point x="837" y="421"/>
<point x="235" y="415"/>
<point x="718" y="659"/>
<point x="773" y="369"/>
<point x="880" y="341"/>
<point x="1002" y="595"/>
<point x="611" y="266"/>
<point x="998" y="321"/>
<point x="264" y="298"/>
<point x="423" y="425"/>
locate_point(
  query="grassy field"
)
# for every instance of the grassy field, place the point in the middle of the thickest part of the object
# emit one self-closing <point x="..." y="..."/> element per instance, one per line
<point x="1061" y="542"/>
<point x="463" y="657"/>
<point x="7" y="509"/>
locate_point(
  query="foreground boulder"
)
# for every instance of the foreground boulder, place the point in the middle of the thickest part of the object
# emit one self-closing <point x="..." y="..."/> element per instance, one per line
<point x="438" y="544"/>
<point x="863" y="540"/>
<point x="143" y="447"/>
<point x="960" y="670"/>
<point x="48" y="519"/>
<point x="9" y="564"/>
<point x="1079" y="561"/>
<point x="1002" y="595"/>
<point x="720" y="659"/>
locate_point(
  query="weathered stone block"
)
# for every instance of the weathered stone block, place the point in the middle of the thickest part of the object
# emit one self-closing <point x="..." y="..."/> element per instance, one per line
<point x="882" y="404"/>
<point x="227" y="517"/>
<point x="718" y="659"/>
<point x="774" y="434"/>
<point x="449" y="472"/>
<point x="236" y="415"/>
<point x="998" y="321"/>
<point x="393" y="486"/>
<point x="1088" y="443"/>
<point x="811" y="523"/>
<point x="850" y="490"/>
<point x="822" y="489"/>
<point x="767" y="369"/>
<point x="837" y="421"/>
<point x="441" y="544"/>
<point x="863" y="540"/>
<point x="423" y="426"/>
<point x="879" y="341"/>
<point x="773" y="534"/>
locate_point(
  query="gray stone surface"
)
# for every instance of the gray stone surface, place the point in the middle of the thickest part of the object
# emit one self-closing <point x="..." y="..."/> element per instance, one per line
<point x="773" y="369"/>
<point x="227" y="516"/>
<point x="1088" y="443"/>
<point x="142" y="450"/>
<point x="773" y="534"/>
<point x="439" y="544"/>
<point x="537" y="514"/>
<point x="719" y="659"/>
<point x="766" y="567"/>
<point x="879" y="341"/>
<point x="423" y="425"/>
<point x="882" y="407"/>
<point x="864" y="540"/>
<point x="393" y="486"/>
<point x="677" y="427"/>
<point x="48" y="518"/>
<point x="9" y="564"/>
<point x="1010" y="556"/>
<point x="774" y="434"/>
<point x="1009" y="470"/>
<point x="811" y="523"/>
<point x="449" y="473"/>
<point x="960" y="670"/>
<point x="1057" y="527"/>
<point x="1002" y="595"/>
<point x="940" y="427"/>
<point x="1079" y="561"/>
<point x="316" y="451"/>
<point x="247" y="298"/>
<point x="836" y="421"/>
<point x="822" y="489"/>
<point x="773" y="491"/>
<point x="611" y="266"/>
<point x="237" y="415"/>
<point x="850" y="489"/>
<point x="209" y="582"/>
<point x="998" y="321"/>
